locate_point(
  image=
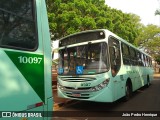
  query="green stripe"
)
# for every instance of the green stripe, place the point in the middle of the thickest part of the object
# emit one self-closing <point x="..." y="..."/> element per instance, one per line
<point x="32" y="68"/>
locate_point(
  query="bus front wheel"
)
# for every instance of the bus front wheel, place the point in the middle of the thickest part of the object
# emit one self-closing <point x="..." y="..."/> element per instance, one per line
<point x="128" y="91"/>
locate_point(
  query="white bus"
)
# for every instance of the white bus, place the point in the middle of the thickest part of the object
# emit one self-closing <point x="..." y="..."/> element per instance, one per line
<point x="25" y="58"/>
<point x="97" y="65"/>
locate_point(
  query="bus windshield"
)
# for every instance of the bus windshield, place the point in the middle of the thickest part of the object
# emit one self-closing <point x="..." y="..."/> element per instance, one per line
<point x="85" y="59"/>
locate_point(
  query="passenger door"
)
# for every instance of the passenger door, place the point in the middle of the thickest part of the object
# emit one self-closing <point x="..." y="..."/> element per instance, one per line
<point x="115" y="62"/>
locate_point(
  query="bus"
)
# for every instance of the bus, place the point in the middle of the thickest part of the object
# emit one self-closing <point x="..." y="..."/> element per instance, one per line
<point x="25" y="57"/>
<point x="97" y="65"/>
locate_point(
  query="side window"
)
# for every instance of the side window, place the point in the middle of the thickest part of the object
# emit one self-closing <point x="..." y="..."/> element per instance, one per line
<point x="115" y="56"/>
<point x="150" y="61"/>
<point x="133" y="56"/>
<point x="143" y="60"/>
<point x="139" y="58"/>
<point x="125" y="54"/>
<point x="17" y="24"/>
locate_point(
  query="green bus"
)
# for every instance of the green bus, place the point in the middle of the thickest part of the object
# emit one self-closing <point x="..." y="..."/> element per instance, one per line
<point x="25" y="57"/>
<point x="97" y="65"/>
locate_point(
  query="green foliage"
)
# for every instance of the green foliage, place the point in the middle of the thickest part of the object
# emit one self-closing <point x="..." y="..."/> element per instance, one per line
<point x="70" y="16"/>
<point x="157" y="12"/>
<point x="157" y="59"/>
<point x="149" y="38"/>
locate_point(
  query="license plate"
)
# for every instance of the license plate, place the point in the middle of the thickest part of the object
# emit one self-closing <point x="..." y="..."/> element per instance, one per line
<point x="76" y="94"/>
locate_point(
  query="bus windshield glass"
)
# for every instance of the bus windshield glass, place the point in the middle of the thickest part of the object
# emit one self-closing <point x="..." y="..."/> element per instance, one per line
<point x="85" y="59"/>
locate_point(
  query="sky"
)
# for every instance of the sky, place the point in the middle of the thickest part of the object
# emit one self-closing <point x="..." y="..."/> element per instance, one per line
<point x="143" y="8"/>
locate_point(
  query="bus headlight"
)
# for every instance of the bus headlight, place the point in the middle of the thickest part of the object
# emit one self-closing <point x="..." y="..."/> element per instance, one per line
<point x="100" y="86"/>
<point x="60" y="86"/>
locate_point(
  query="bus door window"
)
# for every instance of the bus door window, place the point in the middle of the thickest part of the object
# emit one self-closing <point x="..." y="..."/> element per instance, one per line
<point x="115" y="57"/>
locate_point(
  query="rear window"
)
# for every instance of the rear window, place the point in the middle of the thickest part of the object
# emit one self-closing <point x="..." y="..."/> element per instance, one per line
<point x="17" y="24"/>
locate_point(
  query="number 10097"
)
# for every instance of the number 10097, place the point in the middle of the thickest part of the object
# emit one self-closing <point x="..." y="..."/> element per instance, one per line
<point x="30" y="60"/>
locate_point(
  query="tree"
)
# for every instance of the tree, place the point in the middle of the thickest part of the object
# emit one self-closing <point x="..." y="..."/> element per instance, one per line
<point x="70" y="16"/>
<point x="124" y="26"/>
<point x="157" y="12"/>
<point x="157" y="58"/>
<point x="149" y="39"/>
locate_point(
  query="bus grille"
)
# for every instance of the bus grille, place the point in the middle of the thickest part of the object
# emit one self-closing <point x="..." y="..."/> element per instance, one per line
<point x="72" y="88"/>
<point x="77" y="79"/>
<point x="79" y="92"/>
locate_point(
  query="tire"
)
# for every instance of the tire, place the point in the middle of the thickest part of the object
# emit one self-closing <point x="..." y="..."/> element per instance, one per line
<point x="128" y="92"/>
<point x="148" y="82"/>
